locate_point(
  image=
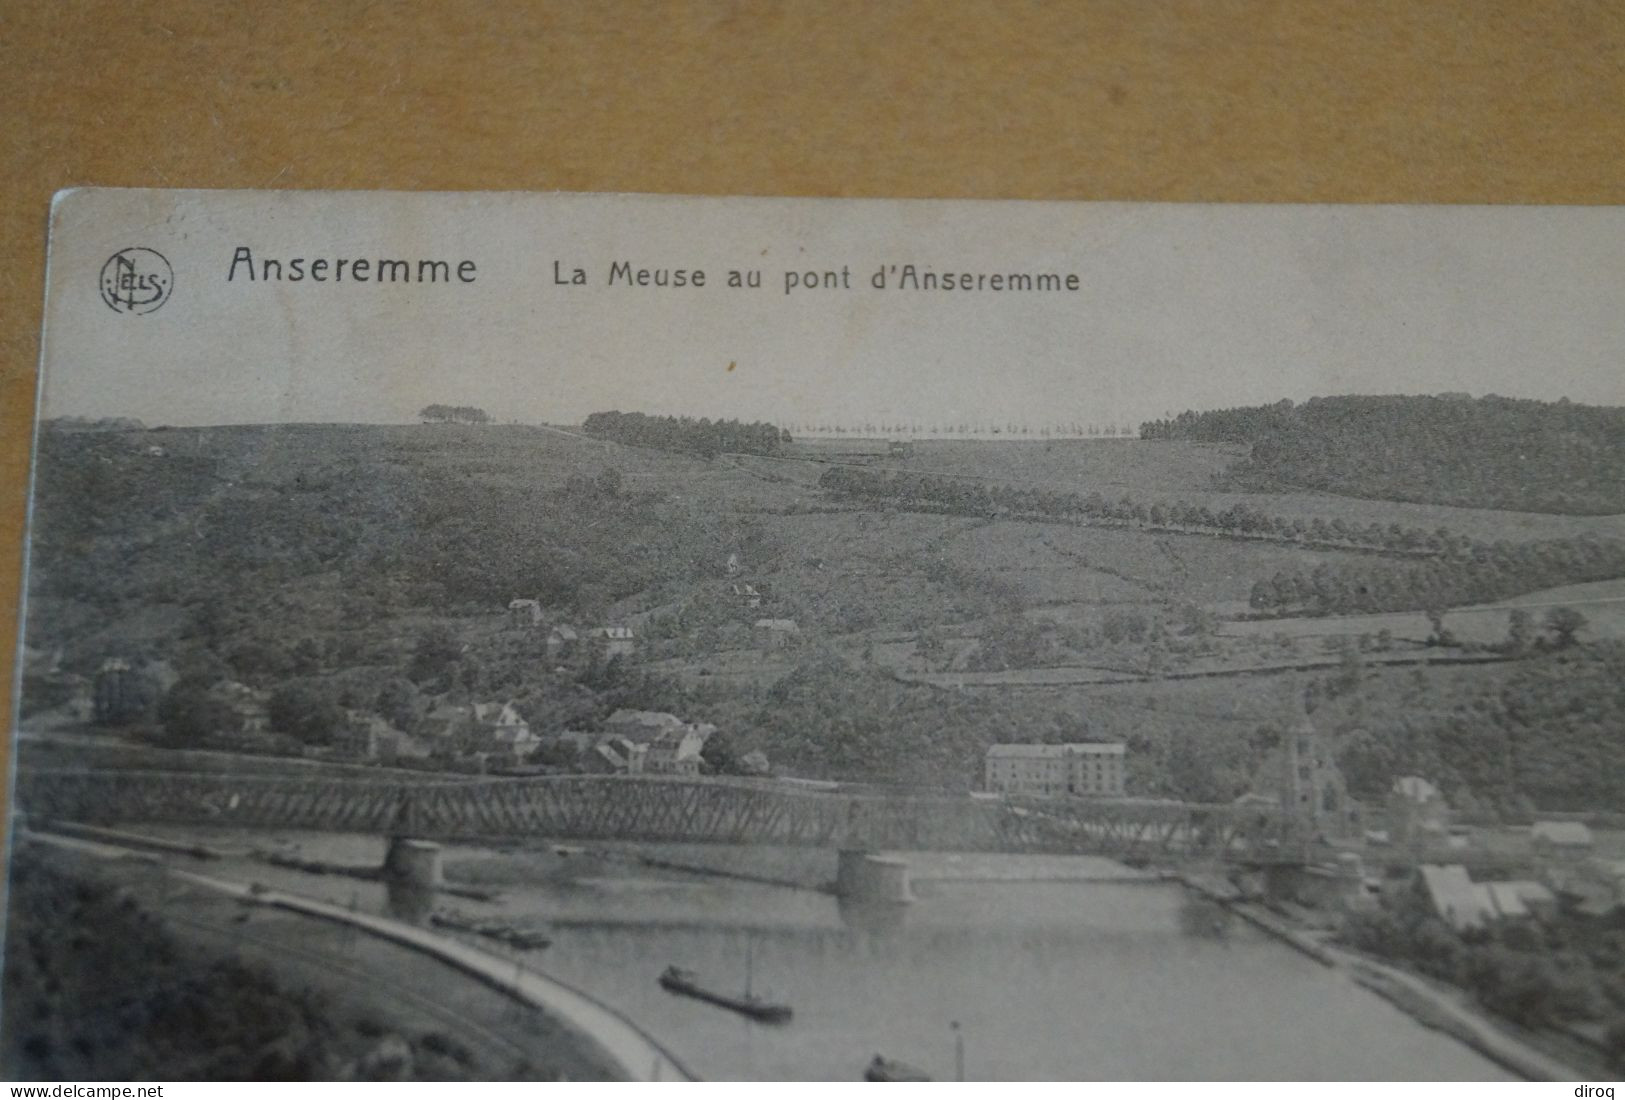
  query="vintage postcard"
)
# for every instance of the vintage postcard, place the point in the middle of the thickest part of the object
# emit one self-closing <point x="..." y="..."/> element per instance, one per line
<point x="537" y="637"/>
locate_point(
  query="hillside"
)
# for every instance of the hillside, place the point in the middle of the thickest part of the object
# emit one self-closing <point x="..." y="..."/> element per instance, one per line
<point x="372" y="566"/>
<point x="337" y="527"/>
<point x="1543" y="732"/>
<point x="1490" y="452"/>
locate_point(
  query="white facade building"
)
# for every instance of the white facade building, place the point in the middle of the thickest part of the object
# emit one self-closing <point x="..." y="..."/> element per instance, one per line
<point x="1053" y="771"/>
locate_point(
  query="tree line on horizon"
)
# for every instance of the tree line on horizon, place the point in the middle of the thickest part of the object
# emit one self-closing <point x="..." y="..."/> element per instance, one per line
<point x="701" y="436"/>
<point x="454" y="414"/>
<point x="1076" y="429"/>
<point x="1486" y="452"/>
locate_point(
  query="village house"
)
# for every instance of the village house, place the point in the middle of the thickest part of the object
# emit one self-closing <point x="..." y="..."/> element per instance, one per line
<point x="561" y="640"/>
<point x="44" y="674"/>
<point x="776" y="633"/>
<point x="747" y="595"/>
<point x="496" y="729"/>
<point x="1455" y="898"/>
<point x="615" y="756"/>
<point x="1521" y="899"/>
<point x="1560" y="841"/>
<point x="250" y="706"/>
<point x="500" y="729"/>
<point x="673" y="745"/>
<point x="1053" y="771"/>
<point x="602" y="759"/>
<point x="1466" y="905"/>
<point x="1417" y="812"/>
<point x="80" y="706"/>
<point x="444" y="727"/>
<point x="634" y="754"/>
<point x="524" y="614"/>
<point x="372" y="737"/>
<point x="617" y="641"/>
<point x="124" y="691"/>
<point x="642" y="726"/>
<point x="677" y="752"/>
<point x="578" y="741"/>
<point x="1593" y="887"/>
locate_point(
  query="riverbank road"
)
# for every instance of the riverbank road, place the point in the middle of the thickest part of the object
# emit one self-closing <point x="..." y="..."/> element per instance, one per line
<point x="509" y="1036"/>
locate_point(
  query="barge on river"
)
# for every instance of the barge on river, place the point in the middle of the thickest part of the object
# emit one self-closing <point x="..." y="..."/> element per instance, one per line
<point x="685" y="983"/>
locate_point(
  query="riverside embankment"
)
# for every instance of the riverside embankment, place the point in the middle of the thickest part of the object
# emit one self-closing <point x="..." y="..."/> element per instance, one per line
<point x="1443" y="1010"/>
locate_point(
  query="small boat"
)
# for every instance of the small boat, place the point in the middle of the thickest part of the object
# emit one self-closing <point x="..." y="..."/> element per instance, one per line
<point x="525" y="939"/>
<point x="685" y="983"/>
<point x="889" y="1069"/>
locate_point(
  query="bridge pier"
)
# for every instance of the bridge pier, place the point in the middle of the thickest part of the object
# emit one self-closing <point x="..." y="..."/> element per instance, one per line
<point x="412" y="878"/>
<point x="1340" y="884"/>
<point x="870" y="879"/>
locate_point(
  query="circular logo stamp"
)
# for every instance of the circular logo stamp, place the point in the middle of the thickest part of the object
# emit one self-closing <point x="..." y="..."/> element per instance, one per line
<point x="136" y="280"/>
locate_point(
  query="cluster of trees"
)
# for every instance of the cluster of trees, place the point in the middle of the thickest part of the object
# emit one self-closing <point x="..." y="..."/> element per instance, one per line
<point x="1487" y="573"/>
<point x="1546" y="736"/>
<point x="454" y="414"/>
<point x="1075" y="429"/>
<point x="192" y="715"/>
<point x="1533" y="974"/>
<point x="701" y="436"/>
<point x="1492" y="452"/>
<point x="94" y="424"/>
<point x="829" y="718"/>
<point x="963" y="496"/>
<point x="413" y="530"/>
<point x="478" y="542"/>
<point x="74" y="941"/>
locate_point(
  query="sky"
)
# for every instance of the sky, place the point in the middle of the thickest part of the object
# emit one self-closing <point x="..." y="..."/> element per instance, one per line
<point x="1177" y="307"/>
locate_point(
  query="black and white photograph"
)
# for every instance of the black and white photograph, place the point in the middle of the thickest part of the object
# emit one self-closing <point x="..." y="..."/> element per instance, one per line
<point x="551" y="637"/>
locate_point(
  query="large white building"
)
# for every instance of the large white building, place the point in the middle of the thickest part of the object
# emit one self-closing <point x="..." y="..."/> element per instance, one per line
<point x="1093" y="768"/>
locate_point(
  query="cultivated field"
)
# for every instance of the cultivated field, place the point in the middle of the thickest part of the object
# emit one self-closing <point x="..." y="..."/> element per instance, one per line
<point x="1108" y="466"/>
<point x="1602" y="603"/>
<point x="1154" y="471"/>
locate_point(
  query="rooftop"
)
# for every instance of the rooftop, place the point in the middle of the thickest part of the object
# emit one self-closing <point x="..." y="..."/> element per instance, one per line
<point x="1456" y="897"/>
<point x="1053" y="752"/>
<point x="1415" y="788"/>
<point x="1562" y="833"/>
<point x="625" y="716"/>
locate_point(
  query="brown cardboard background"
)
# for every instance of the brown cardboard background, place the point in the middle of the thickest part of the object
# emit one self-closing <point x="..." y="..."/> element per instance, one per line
<point x="1238" y="101"/>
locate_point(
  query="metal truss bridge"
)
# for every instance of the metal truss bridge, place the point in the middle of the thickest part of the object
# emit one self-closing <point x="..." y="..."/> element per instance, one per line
<point x="671" y="809"/>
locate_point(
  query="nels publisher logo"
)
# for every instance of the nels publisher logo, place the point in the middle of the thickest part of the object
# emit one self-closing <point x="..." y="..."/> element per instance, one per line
<point x="136" y="280"/>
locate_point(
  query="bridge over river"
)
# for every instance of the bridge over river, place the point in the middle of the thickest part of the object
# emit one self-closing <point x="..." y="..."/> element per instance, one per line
<point x="669" y="809"/>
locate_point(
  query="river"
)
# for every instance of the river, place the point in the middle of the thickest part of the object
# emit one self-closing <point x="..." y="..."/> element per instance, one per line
<point x="1046" y="979"/>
